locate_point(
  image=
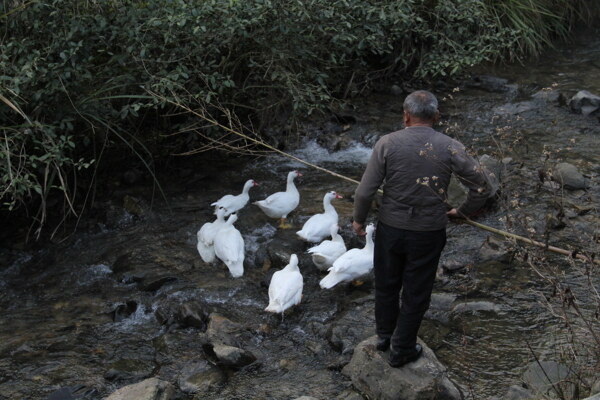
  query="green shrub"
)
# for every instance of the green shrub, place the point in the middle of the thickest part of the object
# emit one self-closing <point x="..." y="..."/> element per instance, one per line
<point x="82" y="78"/>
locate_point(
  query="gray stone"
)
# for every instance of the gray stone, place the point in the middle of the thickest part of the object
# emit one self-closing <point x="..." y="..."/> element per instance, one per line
<point x="516" y="108"/>
<point x="546" y="377"/>
<point x="306" y="398"/>
<point x="518" y="393"/>
<point x="475" y="306"/>
<point x="349" y="394"/>
<point x="191" y="315"/>
<point x="149" y="389"/>
<point x="595" y="388"/>
<point x="222" y="330"/>
<point x="200" y="377"/>
<point x="424" y="379"/>
<point x="233" y="357"/>
<point x="495" y="249"/>
<point x="584" y="103"/>
<point x="489" y="83"/>
<point x="567" y="175"/>
<point x="549" y="96"/>
<point x="594" y="397"/>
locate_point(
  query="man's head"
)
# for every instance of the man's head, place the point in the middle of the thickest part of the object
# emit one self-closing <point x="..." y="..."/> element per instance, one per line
<point x="420" y="109"/>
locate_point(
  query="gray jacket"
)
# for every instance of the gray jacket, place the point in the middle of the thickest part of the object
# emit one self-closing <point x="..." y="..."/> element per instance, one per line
<point x="415" y="165"/>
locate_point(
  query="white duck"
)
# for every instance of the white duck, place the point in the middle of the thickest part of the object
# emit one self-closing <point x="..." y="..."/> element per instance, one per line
<point x="229" y="247"/>
<point x="352" y="264"/>
<point x="325" y="253"/>
<point x="233" y="203"/>
<point x="285" y="289"/>
<point x="280" y="204"/>
<point x="318" y="227"/>
<point x="206" y="236"/>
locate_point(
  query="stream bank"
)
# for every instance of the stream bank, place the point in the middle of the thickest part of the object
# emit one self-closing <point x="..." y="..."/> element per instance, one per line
<point x="128" y="298"/>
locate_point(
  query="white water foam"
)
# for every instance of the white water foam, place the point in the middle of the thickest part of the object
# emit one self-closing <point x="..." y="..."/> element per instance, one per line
<point x="312" y="152"/>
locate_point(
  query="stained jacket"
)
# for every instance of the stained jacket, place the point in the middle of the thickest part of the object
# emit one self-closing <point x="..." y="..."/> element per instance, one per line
<point x="415" y="165"/>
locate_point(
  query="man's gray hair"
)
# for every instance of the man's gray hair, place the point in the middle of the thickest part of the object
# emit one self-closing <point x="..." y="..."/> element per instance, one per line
<point x="421" y="104"/>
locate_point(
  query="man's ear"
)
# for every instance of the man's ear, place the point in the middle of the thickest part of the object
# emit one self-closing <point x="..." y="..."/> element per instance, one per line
<point x="437" y="117"/>
<point x="406" y="118"/>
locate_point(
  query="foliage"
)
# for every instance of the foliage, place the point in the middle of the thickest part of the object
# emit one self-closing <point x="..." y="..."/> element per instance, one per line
<point x="82" y="78"/>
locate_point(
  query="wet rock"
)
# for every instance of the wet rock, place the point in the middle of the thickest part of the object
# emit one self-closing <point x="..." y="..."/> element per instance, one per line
<point x="133" y="206"/>
<point x="595" y="397"/>
<point x="495" y="249"/>
<point x="426" y="378"/>
<point x="475" y="306"/>
<point x="516" y="108"/>
<point x="453" y="265"/>
<point x="199" y="378"/>
<point x="149" y="389"/>
<point x="518" y="393"/>
<point x="567" y="175"/>
<point x="396" y="90"/>
<point x="191" y="315"/>
<point x="440" y="307"/>
<point x="129" y="370"/>
<point x="550" y="96"/>
<point x="584" y="103"/>
<point x="489" y="83"/>
<point x="595" y="388"/>
<point x="306" y="398"/>
<point x="123" y="311"/>
<point x="544" y="376"/>
<point x="78" y="392"/>
<point x="349" y="394"/>
<point x="352" y="327"/>
<point x="233" y="357"/>
<point x="283" y="245"/>
<point x="153" y="284"/>
<point x="222" y="330"/>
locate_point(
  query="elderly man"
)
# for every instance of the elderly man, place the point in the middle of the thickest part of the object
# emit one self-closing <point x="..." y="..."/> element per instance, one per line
<point x="415" y="165"/>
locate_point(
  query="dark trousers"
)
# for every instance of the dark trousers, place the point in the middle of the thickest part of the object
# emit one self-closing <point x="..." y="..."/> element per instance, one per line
<point x="404" y="261"/>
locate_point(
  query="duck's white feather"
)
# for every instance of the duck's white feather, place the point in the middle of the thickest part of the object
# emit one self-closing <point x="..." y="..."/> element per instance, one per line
<point x="285" y="289"/>
<point x="351" y="265"/>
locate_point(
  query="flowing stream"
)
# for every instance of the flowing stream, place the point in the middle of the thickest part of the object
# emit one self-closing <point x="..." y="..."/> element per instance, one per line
<point x="99" y="310"/>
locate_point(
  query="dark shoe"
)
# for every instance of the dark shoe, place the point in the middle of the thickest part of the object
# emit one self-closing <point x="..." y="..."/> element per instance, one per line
<point x="399" y="359"/>
<point x="382" y="344"/>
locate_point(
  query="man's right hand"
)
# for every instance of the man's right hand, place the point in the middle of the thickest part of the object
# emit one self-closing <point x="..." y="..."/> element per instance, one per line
<point x="454" y="214"/>
<point x="358" y="228"/>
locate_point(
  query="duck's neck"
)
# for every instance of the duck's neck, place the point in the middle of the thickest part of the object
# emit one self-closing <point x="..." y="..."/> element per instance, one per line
<point x="246" y="189"/>
<point x="327" y="205"/>
<point x="369" y="245"/>
<point x="290" y="187"/>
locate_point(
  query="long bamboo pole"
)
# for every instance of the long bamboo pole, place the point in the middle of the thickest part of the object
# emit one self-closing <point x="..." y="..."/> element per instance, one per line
<point x="496" y="231"/>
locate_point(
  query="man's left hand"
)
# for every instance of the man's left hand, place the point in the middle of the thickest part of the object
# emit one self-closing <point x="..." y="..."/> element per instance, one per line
<point x="358" y="228"/>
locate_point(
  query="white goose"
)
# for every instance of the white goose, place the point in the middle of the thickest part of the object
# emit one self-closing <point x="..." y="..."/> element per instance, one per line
<point x="229" y="247"/>
<point x="233" y="203"/>
<point x="206" y="236"/>
<point x="285" y="289"/>
<point x="280" y="204"/>
<point x="352" y="264"/>
<point x="318" y="226"/>
<point x="325" y="253"/>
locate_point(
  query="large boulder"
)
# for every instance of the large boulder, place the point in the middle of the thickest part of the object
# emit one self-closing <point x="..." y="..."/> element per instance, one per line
<point x="149" y="389"/>
<point x="424" y="379"/>
<point x="568" y="176"/>
<point x="584" y="103"/>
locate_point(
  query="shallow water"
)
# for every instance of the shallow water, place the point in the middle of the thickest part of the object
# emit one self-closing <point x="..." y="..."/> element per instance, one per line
<point x="76" y="312"/>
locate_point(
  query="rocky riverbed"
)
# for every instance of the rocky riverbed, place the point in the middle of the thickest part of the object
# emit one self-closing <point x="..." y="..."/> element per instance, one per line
<point x="127" y="298"/>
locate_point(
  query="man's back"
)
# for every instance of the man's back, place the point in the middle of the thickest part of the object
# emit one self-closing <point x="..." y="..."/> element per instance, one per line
<point x="416" y="164"/>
